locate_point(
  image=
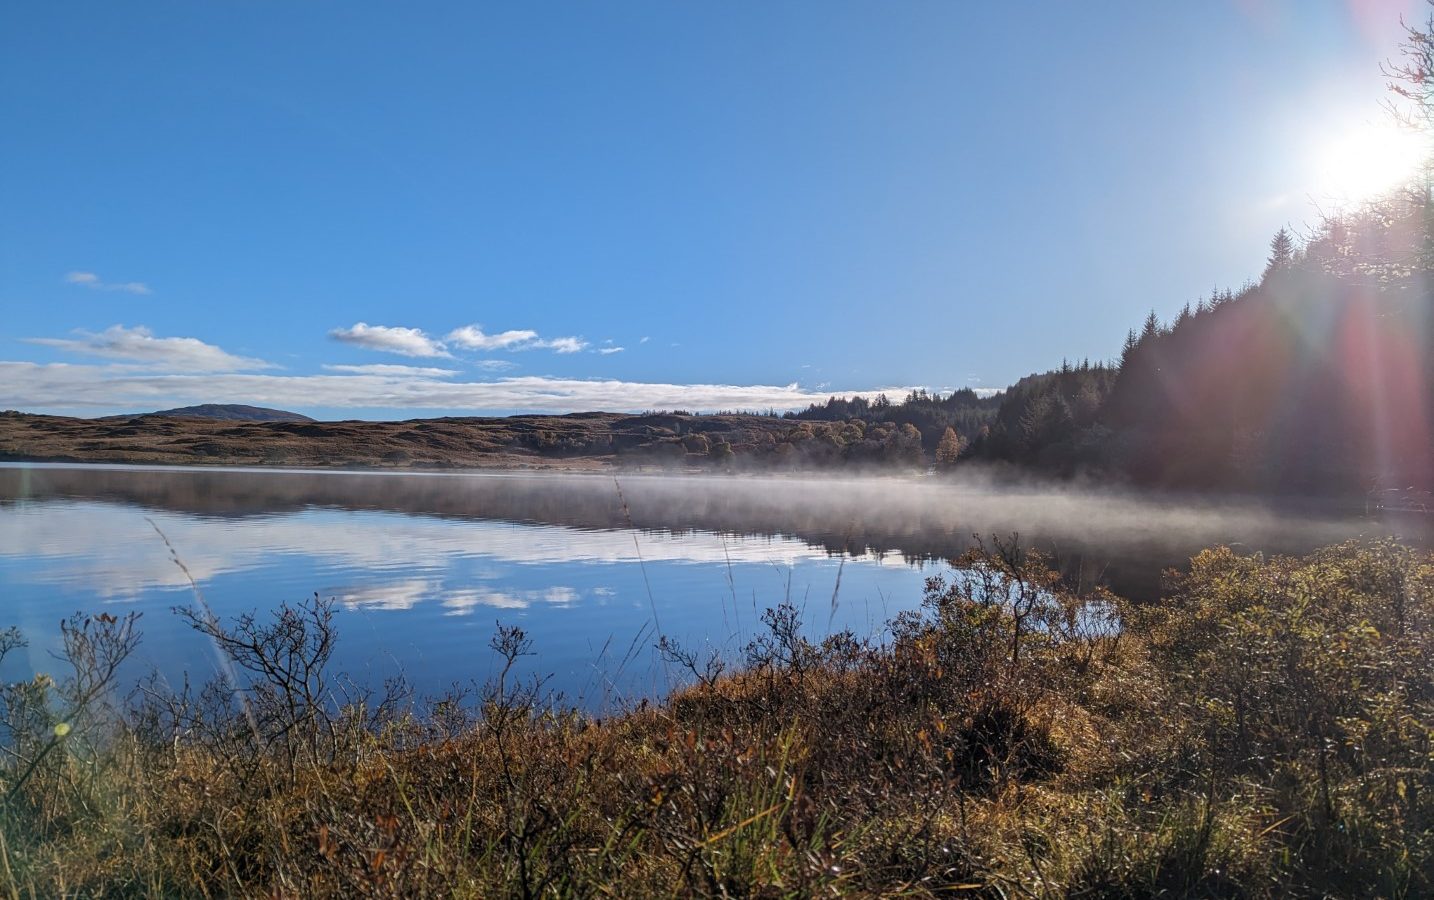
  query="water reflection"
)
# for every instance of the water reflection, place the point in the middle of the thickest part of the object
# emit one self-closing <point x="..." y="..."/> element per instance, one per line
<point x="422" y="565"/>
<point x="1126" y="539"/>
<point x="110" y="550"/>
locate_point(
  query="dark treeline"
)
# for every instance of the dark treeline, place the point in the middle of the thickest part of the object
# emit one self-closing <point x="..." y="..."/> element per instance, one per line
<point x="875" y="433"/>
<point x="1316" y="377"/>
<point x="1051" y="420"/>
<point x="963" y="410"/>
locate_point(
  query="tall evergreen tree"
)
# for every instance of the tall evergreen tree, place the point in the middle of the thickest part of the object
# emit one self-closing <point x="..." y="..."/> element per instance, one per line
<point x="1151" y="329"/>
<point x="1282" y="252"/>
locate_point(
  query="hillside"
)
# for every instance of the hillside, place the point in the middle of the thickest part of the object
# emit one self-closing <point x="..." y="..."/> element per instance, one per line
<point x="233" y="412"/>
<point x="576" y="441"/>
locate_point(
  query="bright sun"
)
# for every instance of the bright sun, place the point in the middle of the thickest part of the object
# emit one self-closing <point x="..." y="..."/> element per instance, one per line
<point x="1367" y="160"/>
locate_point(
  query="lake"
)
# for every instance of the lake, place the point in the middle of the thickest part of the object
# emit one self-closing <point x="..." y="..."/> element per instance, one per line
<point x="593" y="567"/>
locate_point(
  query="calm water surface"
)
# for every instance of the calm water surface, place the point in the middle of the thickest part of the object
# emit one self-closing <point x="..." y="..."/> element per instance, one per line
<point x="594" y="568"/>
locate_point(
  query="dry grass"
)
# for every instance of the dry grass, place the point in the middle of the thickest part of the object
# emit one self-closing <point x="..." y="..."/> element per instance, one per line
<point x="1265" y="731"/>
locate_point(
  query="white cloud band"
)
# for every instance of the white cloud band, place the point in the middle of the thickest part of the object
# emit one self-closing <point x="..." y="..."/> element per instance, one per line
<point x="26" y="385"/>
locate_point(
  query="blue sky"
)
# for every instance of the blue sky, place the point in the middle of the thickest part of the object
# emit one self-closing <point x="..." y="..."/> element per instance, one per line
<point x="743" y="204"/>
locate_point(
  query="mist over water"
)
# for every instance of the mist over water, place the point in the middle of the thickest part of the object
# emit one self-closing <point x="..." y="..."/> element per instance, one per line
<point x="593" y="566"/>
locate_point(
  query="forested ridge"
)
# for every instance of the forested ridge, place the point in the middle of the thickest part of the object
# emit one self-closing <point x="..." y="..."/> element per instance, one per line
<point x="1315" y="377"/>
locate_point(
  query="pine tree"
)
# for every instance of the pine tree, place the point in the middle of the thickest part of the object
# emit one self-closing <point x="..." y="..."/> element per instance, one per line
<point x="1282" y="252"/>
<point x="1151" y="329"/>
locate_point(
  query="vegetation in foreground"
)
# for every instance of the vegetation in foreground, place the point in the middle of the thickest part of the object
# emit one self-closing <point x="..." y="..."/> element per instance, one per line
<point x="1266" y="730"/>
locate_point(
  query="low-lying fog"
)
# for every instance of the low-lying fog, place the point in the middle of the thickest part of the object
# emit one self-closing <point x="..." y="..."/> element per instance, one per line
<point x="423" y="563"/>
<point x="1125" y="535"/>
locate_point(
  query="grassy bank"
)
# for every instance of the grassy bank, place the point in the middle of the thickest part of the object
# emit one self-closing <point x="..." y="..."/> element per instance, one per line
<point x="1266" y="730"/>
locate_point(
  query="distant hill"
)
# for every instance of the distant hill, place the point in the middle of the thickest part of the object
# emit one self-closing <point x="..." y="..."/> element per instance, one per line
<point x="590" y="441"/>
<point x="233" y="412"/>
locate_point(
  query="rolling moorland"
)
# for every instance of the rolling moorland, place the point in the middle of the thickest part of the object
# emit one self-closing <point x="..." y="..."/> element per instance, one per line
<point x="583" y="440"/>
<point x="887" y="435"/>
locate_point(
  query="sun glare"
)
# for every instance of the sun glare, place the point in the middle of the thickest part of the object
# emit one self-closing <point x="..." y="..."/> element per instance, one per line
<point x="1367" y="160"/>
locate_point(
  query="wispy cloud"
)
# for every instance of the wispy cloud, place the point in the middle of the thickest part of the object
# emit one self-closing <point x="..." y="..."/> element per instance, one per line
<point x="390" y="339"/>
<point x="139" y="345"/>
<point x="494" y="365"/>
<point x="92" y="281"/>
<point x="564" y="344"/>
<point x="25" y="385"/>
<point x="606" y="351"/>
<point x="392" y="371"/>
<point x="415" y="342"/>
<point x="472" y="337"/>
